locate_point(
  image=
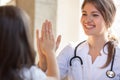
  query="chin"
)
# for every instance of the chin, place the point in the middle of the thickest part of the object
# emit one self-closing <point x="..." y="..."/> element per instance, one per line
<point x="89" y="33"/>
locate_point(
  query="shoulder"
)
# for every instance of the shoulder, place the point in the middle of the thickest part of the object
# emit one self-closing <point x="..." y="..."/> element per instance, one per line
<point x="66" y="53"/>
<point x="117" y="60"/>
<point x="68" y="50"/>
<point x="118" y="51"/>
<point x="117" y="55"/>
<point x="82" y="45"/>
<point x="71" y="46"/>
<point x="32" y="73"/>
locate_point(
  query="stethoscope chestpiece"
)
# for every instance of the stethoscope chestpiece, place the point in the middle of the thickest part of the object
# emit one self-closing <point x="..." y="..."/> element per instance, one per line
<point x="110" y="74"/>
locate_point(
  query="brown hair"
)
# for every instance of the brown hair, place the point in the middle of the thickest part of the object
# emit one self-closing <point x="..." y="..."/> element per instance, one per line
<point x="108" y="11"/>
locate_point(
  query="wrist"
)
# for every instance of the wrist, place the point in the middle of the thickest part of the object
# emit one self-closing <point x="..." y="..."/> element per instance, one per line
<point x="50" y="54"/>
<point x="43" y="67"/>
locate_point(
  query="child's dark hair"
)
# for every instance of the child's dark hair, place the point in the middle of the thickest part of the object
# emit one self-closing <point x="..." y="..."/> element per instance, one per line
<point x="16" y="50"/>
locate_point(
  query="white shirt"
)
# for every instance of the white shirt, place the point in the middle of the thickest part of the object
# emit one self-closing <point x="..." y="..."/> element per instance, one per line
<point x="90" y="71"/>
<point x="34" y="73"/>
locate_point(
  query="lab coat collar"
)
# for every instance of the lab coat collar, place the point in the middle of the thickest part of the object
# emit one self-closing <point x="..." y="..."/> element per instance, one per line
<point x="104" y="50"/>
<point x="85" y="47"/>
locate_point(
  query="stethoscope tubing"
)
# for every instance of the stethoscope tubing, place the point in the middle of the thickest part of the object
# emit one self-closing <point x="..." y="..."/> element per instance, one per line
<point x="75" y="56"/>
<point x="113" y="60"/>
<point x="81" y="61"/>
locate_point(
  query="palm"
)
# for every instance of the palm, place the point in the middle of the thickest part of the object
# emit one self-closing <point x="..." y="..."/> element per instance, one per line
<point x="46" y="42"/>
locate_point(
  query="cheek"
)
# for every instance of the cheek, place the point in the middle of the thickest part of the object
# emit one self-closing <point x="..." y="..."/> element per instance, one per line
<point x="81" y="20"/>
<point x="102" y="27"/>
<point x="100" y="22"/>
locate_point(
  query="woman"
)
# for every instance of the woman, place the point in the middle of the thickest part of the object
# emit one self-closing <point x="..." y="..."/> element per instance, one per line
<point x="98" y="57"/>
<point x="17" y="56"/>
<point x="99" y="53"/>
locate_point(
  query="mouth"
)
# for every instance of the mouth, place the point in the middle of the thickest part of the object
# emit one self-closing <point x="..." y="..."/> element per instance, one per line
<point x="89" y="26"/>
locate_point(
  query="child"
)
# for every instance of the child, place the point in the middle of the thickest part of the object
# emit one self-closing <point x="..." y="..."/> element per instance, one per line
<point x="17" y="56"/>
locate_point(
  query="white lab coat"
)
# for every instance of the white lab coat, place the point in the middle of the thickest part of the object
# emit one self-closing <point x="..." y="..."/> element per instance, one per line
<point x="90" y="71"/>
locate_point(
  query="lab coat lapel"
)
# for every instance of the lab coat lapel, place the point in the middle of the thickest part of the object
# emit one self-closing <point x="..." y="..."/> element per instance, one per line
<point x="75" y="70"/>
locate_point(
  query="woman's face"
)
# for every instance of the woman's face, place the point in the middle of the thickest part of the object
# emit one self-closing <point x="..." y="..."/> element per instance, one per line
<point x="92" y="21"/>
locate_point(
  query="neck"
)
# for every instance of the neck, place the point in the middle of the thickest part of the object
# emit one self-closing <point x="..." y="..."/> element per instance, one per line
<point x="97" y="43"/>
<point x="95" y="46"/>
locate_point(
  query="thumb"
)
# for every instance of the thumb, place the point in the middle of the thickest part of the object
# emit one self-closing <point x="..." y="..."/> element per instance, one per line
<point x="58" y="41"/>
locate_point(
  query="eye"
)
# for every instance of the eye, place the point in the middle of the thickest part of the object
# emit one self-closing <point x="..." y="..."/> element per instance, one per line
<point x="84" y="14"/>
<point x="95" y="15"/>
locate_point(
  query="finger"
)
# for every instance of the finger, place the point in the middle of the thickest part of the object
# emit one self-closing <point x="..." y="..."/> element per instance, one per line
<point x="58" y="41"/>
<point x="50" y="31"/>
<point x="43" y="35"/>
<point x="46" y="29"/>
<point x="41" y="54"/>
<point x="37" y="34"/>
<point x="39" y="40"/>
<point x="37" y="37"/>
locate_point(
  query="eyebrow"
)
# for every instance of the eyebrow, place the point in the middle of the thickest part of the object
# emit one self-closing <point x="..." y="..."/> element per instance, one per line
<point x="83" y="11"/>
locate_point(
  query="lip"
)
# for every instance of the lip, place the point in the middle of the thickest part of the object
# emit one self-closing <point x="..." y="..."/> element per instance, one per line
<point x="89" y="26"/>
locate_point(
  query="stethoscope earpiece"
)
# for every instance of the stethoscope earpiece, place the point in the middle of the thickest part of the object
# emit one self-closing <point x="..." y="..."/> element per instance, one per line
<point x="110" y="74"/>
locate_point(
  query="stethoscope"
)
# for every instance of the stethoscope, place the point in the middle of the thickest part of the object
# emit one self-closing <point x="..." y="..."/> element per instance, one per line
<point x="110" y="73"/>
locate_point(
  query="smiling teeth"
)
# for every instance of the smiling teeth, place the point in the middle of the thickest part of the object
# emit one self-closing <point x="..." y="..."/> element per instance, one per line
<point x="89" y="27"/>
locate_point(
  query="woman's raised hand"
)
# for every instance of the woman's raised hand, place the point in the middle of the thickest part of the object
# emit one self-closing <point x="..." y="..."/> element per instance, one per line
<point x="47" y="40"/>
<point x="46" y="43"/>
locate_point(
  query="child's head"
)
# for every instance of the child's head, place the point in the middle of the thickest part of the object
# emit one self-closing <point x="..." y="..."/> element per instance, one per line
<point x="15" y="47"/>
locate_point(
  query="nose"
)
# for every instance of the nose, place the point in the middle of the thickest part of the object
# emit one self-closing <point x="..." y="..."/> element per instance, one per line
<point x="88" y="19"/>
